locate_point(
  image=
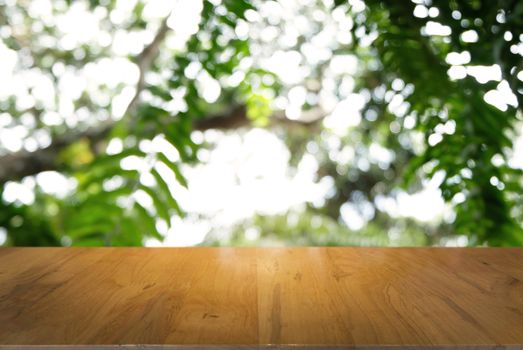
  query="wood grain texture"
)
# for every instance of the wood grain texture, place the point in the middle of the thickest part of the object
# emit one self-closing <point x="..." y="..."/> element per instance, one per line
<point x="247" y="298"/>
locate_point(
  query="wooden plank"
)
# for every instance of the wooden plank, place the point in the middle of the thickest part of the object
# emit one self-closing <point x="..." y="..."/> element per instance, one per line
<point x="246" y="298"/>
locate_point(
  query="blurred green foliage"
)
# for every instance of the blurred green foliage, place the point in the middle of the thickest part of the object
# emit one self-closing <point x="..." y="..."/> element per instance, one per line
<point x="397" y="59"/>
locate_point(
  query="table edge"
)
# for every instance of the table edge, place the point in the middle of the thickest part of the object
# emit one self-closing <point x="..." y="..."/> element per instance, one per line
<point x="263" y="347"/>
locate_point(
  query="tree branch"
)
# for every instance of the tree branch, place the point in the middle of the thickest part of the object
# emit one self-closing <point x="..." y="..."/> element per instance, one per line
<point x="237" y="118"/>
<point x="18" y="165"/>
<point x="145" y="60"/>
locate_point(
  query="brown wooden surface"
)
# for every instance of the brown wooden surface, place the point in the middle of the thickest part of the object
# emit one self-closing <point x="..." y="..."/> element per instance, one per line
<point x="224" y="297"/>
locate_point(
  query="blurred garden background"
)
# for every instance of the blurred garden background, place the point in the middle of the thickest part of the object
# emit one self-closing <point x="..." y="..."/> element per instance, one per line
<point x="234" y="122"/>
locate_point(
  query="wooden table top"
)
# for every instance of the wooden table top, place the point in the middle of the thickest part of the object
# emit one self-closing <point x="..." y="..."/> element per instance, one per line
<point x="368" y="298"/>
